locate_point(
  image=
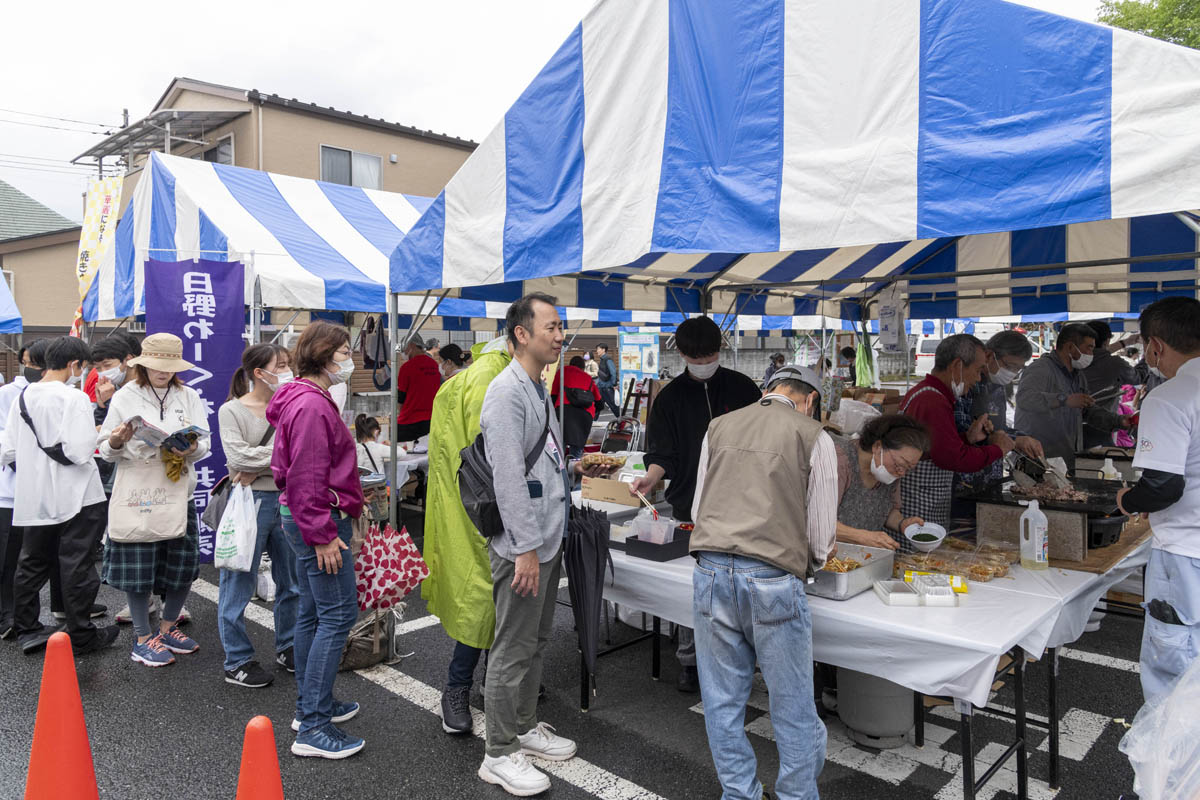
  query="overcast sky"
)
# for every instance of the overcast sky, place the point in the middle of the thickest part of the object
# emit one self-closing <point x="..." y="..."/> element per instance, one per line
<point x="453" y="66"/>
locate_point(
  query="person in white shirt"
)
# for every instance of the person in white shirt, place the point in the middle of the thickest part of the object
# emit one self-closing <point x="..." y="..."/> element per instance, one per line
<point x="1168" y="453"/>
<point x="165" y="566"/>
<point x="50" y="435"/>
<point x="11" y="537"/>
<point x="373" y="454"/>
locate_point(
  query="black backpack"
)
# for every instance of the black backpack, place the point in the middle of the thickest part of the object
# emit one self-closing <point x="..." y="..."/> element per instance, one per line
<point x="476" y="484"/>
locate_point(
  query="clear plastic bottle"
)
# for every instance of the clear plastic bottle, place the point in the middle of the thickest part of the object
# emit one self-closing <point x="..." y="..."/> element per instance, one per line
<point x="1109" y="472"/>
<point x="1034" y="537"/>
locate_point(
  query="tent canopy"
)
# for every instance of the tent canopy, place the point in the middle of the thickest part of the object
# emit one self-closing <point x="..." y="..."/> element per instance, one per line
<point x="313" y="245"/>
<point x="10" y="315"/>
<point x="787" y="157"/>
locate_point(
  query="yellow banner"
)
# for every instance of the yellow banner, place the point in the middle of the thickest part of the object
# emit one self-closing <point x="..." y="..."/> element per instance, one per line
<point x="96" y="240"/>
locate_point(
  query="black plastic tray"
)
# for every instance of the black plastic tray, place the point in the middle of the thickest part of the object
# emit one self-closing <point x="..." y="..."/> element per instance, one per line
<point x="1102" y="497"/>
<point x="676" y="548"/>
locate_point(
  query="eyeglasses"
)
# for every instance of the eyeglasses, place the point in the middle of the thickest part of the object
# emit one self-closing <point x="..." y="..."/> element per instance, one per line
<point x="898" y="468"/>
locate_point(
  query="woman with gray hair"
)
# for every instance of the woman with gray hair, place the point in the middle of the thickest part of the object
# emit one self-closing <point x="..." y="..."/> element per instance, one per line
<point x="1005" y="355"/>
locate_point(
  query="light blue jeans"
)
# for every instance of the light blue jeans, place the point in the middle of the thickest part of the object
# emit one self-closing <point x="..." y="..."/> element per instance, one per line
<point x="238" y="587"/>
<point x="328" y="609"/>
<point x="1168" y="650"/>
<point x="748" y="611"/>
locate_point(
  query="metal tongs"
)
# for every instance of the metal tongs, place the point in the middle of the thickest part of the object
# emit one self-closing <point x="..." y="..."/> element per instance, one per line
<point x="1038" y="470"/>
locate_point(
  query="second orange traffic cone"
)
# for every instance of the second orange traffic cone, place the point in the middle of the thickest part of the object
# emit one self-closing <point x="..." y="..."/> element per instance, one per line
<point x="60" y="763"/>
<point x="259" y="776"/>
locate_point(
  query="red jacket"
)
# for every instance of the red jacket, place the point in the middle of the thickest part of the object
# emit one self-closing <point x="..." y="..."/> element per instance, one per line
<point x="949" y="450"/>
<point x="418" y="381"/>
<point x="576" y="379"/>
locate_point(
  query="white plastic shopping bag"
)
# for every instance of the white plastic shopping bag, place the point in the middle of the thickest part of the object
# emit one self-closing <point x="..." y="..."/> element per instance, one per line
<point x="238" y="532"/>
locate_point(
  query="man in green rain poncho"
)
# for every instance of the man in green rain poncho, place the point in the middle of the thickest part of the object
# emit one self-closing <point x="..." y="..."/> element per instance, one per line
<point x="459" y="587"/>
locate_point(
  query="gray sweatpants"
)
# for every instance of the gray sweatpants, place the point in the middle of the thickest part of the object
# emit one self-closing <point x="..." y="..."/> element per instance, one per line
<point x="514" y="667"/>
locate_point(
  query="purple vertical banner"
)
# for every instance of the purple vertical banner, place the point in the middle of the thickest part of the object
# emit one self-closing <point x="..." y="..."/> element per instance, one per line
<point x="203" y="303"/>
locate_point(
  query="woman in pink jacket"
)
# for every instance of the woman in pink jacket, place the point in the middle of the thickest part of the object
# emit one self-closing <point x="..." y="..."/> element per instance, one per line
<point x="316" y="469"/>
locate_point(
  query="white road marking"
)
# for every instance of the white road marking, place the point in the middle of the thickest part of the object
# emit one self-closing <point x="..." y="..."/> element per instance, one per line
<point x="417" y="624"/>
<point x="1078" y="733"/>
<point x="1004" y="780"/>
<point x="1103" y="661"/>
<point x="578" y="772"/>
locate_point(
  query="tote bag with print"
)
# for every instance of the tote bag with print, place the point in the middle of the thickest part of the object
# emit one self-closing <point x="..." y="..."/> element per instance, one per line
<point x="146" y="505"/>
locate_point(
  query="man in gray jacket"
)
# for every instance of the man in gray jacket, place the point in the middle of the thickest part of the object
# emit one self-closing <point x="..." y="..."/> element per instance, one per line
<point x="527" y="556"/>
<point x="1053" y="403"/>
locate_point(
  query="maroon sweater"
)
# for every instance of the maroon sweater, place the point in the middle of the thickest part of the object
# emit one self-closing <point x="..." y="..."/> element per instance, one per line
<point x="949" y="450"/>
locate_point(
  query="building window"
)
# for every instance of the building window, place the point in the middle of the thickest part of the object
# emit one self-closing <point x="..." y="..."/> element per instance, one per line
<point x="222" y="153"/>
<point x="350" y="168"/>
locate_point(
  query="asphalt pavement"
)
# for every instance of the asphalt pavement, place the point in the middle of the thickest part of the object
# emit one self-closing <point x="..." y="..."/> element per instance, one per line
<point x="177" y="731"/>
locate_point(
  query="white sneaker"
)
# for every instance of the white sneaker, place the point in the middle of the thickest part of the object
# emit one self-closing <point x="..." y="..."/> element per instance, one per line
<point x="543" y="742"/>
<point x="124" y="617"/>
<point x="514" y="774"/>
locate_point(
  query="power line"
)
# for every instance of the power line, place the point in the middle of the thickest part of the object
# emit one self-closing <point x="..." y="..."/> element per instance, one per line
<point x="55" y="171"/>
<point x="34" y="161"/>
<point x="58" y="119"/>
<point x="34" y="158"/>
<point x="55" y="127"/>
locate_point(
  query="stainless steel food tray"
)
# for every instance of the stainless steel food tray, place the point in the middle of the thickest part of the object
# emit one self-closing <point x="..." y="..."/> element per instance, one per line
<point x="844" y="585"/>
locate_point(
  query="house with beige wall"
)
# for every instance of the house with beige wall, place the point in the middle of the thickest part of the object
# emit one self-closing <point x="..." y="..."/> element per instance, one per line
<point x="245" y="128"/>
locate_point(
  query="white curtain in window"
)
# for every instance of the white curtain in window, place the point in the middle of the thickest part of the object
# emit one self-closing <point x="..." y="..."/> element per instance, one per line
<point x="366" y="170"/>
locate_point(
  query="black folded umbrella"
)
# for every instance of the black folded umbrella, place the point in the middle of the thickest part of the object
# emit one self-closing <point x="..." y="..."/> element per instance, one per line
<point x="585" y="556"/>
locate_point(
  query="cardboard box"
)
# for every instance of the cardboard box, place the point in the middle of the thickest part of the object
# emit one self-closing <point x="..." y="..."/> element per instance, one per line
<point x="607" y="490"/>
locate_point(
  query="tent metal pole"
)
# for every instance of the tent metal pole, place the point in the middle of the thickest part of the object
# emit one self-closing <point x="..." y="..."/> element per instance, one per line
<point x="433" y="310"/>
<point x="284" y="327"/>
<point x="393" y="410"/>
<point x="1187" y="220"/>
<point x="255" y="304"/>
<point x="908" y="276"/>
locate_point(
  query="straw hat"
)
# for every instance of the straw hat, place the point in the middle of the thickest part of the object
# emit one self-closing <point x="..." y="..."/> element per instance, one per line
<point x="163" y="352"/>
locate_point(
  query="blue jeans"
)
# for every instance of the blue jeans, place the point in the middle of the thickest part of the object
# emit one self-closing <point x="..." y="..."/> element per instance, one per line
<point x="1169" y="649"/>
<point x="238" y="587"/>
<point x="746" y="610"/>
<point x="328" y="609"/>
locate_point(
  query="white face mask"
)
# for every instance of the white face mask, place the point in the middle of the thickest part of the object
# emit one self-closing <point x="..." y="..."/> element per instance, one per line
<point x="703" y="372"/>
<point x="958" y="387"/>
<point x="280" y="379"/>
<point x="73" y="380"/>
<point x="880" y="472"/>
<point x="1083" y="362"/>
<point x="1155" y="370"/>
<point x="345" y="370"/>
<point x="1004" y="377"/>
<point x="114" y="376"/>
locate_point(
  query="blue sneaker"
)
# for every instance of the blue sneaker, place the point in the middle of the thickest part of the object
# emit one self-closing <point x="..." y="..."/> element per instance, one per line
<point x="175" y="641"/>
<point x="152" y="652"/>
<point x="342" y="712"/>
<point x="326" y="742"/>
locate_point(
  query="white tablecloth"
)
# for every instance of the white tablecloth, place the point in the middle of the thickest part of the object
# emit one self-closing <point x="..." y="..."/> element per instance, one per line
<point x="938" y="651"/>
<point x="406" y="463"/>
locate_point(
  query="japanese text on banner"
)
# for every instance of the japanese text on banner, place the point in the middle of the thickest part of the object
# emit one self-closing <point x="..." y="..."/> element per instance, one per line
<point x="203" y="303"/>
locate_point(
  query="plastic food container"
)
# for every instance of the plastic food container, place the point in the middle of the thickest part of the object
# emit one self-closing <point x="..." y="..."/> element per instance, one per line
<point x="897" y="593"/>
<point x="928" y="529"/>
<point x="935" y="590"/>
<point x="876" y="565"/>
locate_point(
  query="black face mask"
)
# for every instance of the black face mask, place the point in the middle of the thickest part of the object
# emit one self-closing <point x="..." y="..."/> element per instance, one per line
<point x="32" y="374"/>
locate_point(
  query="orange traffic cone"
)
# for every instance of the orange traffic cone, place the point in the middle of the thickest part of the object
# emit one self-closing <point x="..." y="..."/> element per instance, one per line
<point x="60" y="763"/>
<point x="259" y="777"/>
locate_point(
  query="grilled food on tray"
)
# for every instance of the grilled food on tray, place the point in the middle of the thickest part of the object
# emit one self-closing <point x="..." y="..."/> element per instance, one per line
<point x="836" y="564"/>
<point x="603" y="460"/>
<point x="1045" y="492"/>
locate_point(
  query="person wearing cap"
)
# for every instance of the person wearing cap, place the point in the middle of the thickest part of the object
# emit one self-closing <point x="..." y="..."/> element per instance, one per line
<point x="678" y="421"/>
<point x="417" y="381"/>
<point x="766" y="517"/>
<point x="169" y="566"/>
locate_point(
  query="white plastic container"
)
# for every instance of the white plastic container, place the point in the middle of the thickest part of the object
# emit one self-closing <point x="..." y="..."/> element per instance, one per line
<point x="1109" y="471"/>
<point x="897" y="593"/>
<point x="1034" y="538"/>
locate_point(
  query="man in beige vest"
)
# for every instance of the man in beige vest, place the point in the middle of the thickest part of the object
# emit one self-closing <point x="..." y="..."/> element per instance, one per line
<point x="766" y="513"/>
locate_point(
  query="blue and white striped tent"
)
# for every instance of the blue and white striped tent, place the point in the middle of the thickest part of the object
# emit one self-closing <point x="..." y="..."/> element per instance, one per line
<point x="312" y="245"/>
<point x="786" y="157"/>
<point x="10" y="315"/>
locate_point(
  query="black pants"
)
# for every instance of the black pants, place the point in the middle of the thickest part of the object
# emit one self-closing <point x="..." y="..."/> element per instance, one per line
<point x="74" y="544"/>
<point x="11" y="539"/>
<point x="412" y="431"/>
<point x="606" y="393"/>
